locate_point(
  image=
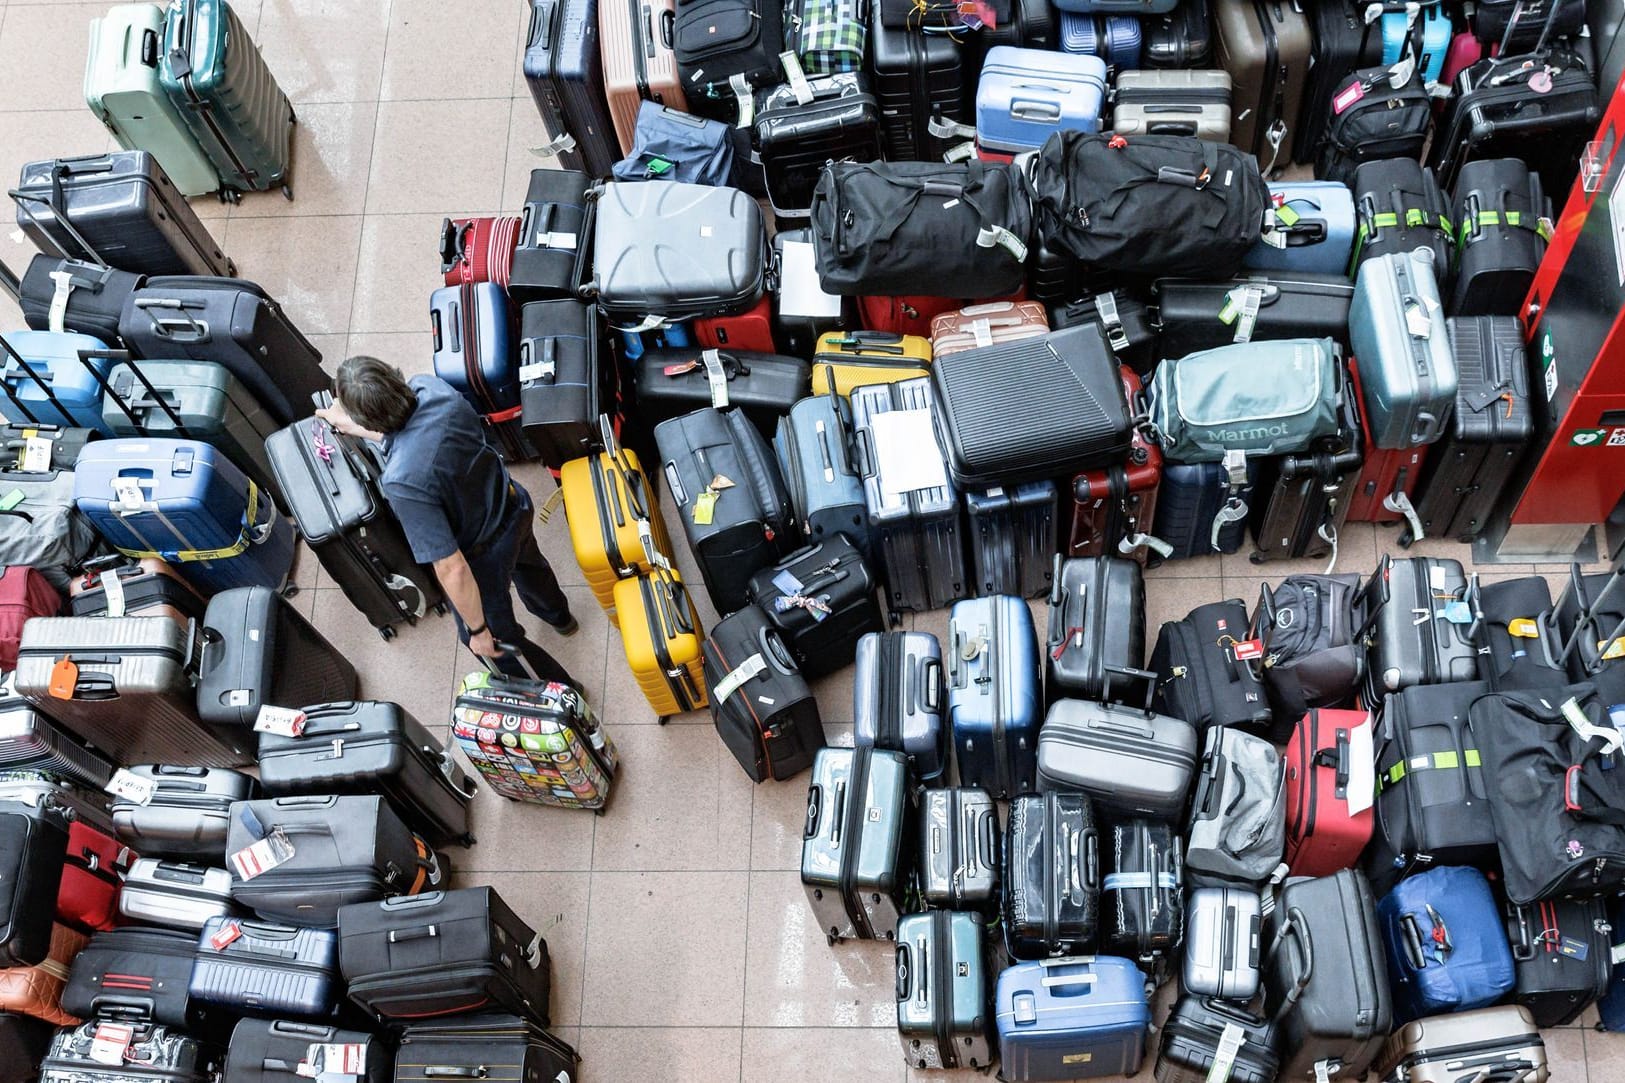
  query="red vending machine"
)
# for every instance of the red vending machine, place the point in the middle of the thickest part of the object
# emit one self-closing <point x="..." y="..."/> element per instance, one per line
<point x="1574" y="474"/>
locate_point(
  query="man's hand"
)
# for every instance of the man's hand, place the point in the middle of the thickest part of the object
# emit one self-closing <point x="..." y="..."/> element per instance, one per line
<point x="338" y="417"/>
<point x="484" y="645"/>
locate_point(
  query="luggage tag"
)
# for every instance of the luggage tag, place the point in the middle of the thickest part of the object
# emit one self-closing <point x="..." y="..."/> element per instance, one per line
<point x="796" y="77"/>
<point x="226" y="935"/>
<point x="787" y="584"/>
<point x="1241" y="308"/>
<point x="131" y="787"/>
<point x="746" y="99"/>
<point x="263" y="856"/>
<point x="705" y="504"/>
<point x="112" y="590"/>
<point x="1611" y="649"/>
<point x="10" y="501"/>
<point x="1457" y="613"/>
<point x="745" y="671"/>
<point x="56" y="320"/>
<point x="333" y="1062"/>
<point x="127" y="493"/>
<point x="999" y="237"/>
<point x="283" y="721"/>
<point x="111" y="1043"/>
<point x="978" y="15"/>
<point x="1574" y="948"/>
<point x="1224" y="1053"/>
<point x="717" y="377"/>
<point x="64" y="679"/>
<point x="1247" y="650"/>
<point x="1575" y="715"/>
<point x="36" y="458"/>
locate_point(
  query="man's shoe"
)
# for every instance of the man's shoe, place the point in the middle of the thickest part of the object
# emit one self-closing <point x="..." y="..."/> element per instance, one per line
<point x="569" y="628"/>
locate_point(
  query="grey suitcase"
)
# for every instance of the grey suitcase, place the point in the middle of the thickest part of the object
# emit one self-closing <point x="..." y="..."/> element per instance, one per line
<point x="942" y="1017"/>
<point x="1223" y="931"/>
<point x="1173" y="102"/>
<point x="959" y="849"/>
<point x="1487" y="1044"/>
<point x="132" y="695"/>
<point x="30" y="741"/>
<point x="919" y="530"/>
<point x="1012" y="538"/>
<point x="814" y="447"/>
<point x="187" y="814"/>
<point x="65" y="800"/>
<point x="1407" y="368"/>
<point x="1237" y="828"/>
<point x="175" y="894"/>
<point x="1419" y="620"/>
<point x="852" y="855"/>
<point x="44" y="530"/>
<point x="897" y="694"/>
<point x="1096" y="620"/>
<point x="1131" y="760"/>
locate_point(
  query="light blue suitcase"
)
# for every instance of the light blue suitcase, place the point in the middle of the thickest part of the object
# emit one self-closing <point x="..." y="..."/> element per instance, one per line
<point x="47" y="384"/>
<point x="1026" y="95"/>
<point x="184" y="502"/>
<point x="1313" y="229"/>
<point x="994" y="704"/>
<point x="814" y="448"/>
<point x="1079" y="1017"/>
<point x="1435" y="38"/>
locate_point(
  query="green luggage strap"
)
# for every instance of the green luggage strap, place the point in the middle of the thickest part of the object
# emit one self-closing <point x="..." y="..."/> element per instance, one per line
<point x="1542" y="227"/>
<point x="1438" y="761"/>
<point x="1415" y="217"/>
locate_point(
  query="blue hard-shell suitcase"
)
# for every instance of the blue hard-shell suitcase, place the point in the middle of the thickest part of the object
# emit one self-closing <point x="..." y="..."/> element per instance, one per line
<point x="179" y="499"/>
<point x="1026" y="95"/>
<point x="1447" y="946"/>
<point x="1432" y="26"/>
<point x="265" y="968"/>
<point x="994" y="703"/>
<point x="814" y="448"/>
<point x="473" y="344"/>
<point x="1125" y="7"/>
<point x="1079" y="1017"/>
<point x="1312" y="229"/>
<point x="1116" y="39"/>
<point x="47" y="384"/>
<point x="1199" y="512"/>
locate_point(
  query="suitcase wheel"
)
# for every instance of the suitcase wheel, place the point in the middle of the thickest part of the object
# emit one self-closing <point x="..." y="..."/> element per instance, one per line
<point x="386" y="633"/>
<point x="1405" y="538"/>
<point x="440" y="609"/>
<point x="663" y="719"/>
<point x="1256" y="558"/>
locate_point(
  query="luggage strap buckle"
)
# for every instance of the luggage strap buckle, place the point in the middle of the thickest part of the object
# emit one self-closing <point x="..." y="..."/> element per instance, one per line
<point x="1111" y="321"/>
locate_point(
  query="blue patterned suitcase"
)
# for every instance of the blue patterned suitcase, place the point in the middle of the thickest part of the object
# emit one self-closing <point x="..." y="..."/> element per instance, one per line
<point x="1311" y="229"/>
<point x="994" y="703"/>
<point x="184" y="502"/>
<point x="1026" y="95"/>
<point x="1116" y="39"/>
<point x="47" y="384"/>
<point x="1079" y="1017"/>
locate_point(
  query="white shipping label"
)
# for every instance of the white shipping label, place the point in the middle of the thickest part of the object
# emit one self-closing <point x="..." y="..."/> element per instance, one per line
<point x="1362" y="789"/>
<point x="132" y="787"/>
<point x="283" y="721"/>
<point x="36" y="455"/>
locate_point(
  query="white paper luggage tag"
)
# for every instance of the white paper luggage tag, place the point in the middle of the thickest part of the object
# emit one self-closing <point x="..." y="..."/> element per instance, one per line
<point x="36" y="455"/>
<point x="717" y="376"/>
<point x="1224" y="1054"/>
<point x="110" y="1043"/>
<point x="796" y="77"/>
<point x="334" y="1062"/>
<point x="746" y="670"/>
<point x="113" y="591"/>
<point x="131" y="787"/>
<point x="127" y="491"/>
<point x="283" y="721"/>
<point x="263" y="856"/>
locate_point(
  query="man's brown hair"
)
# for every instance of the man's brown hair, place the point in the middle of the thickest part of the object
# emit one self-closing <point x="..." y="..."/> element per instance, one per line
<point x="375" y="394"/>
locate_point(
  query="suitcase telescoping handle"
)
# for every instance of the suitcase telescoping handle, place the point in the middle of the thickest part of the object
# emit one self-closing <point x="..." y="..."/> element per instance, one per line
<point x="1063" y="981"/>
<point x="1295" y="932"/>
<point x="34" y="377"/>
<point x="1145" y="676"/>
<point x="23" y="199"/>
<point x="154" y="397"/>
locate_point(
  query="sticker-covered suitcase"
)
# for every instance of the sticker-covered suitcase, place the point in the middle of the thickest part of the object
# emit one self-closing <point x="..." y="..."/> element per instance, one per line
<point x="1052" y="851"/>
<point x="533" y="742"/>
<point x="854" y="857"/>
<point x="960" y="849"/>
<point x="942" y="991"/>
<point x="764" y="712"/>
<point x="266" y="968"/>
<point x="897" y="700"/>
<point x="1076" y="1017"/>
<point x="258" y="651"/>
<point x="1096" y="620"/>
<point x="564" y="69"/>
<point x="995" y="702"/>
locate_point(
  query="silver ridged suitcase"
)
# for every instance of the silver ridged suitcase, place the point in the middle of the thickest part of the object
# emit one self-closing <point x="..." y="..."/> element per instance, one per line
<point x="959" y="849"/>
<point x="1174" y="102"/>
<point x="177" y="895"/>
<point x="1223" y="930"/>
<point x="1398" y="334"/>
<point x="852" y="860"/>
<point x="187" y="814"/>
<point x="897" y="693"/>
<point x="30" y="741"/>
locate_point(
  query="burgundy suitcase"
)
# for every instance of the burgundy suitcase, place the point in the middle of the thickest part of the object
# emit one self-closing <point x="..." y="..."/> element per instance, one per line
<point x="1387" y="480"/>
<point x="24" y="593"/>
<point x="1322" y="835"/>
<point x="478" y="249"/>
<point x="750" y="330"/>
<point x="1113" y="509"/>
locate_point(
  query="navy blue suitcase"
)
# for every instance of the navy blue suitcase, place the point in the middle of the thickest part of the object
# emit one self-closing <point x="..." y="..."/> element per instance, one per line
<point x="565" y="73"/>
<point x="473" y="344"/>
<point x="1116" y="39"/>
<point x="1447" y="946"/>
<point x="264" y="968"/>
<point x="1081" y="1017"/>
<point x="1013" y="538"/>
<point x="814" y="448"/>
<point x="994" y="703"/>
<point x="1199" y="511"/>
<point x="1611" y="1008"/>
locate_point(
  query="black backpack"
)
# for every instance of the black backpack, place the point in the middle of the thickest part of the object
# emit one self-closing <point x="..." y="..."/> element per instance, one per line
<point x="1313" y="657"/>
<point x="1150" y="204"/>
<point x="1373" y="119"/>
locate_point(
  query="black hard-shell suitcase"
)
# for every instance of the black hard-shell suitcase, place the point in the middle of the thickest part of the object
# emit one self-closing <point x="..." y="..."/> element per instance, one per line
<point x="153" y="1053"/>
<point x="259" y="651"/>
<point x="32" y="848"/>
<point x="1031" y="25"/>
<point x="1182" y="38"/>
<point x="1492" y="424"/>
<point x="553" y="257"/>
<point x="1052" y="876"/>
<point x="1529" y="659"/>
<point x="187" y="814"/>
<point x="1142" y="904"/>
<point x="1096" y="620"/>
<point x="917" y="81"/>
<point x="1309" y="494"/>
<point x="95" y="295"/>
<point x="821" y="600"/>
<point x="1405" y="649"/>
<point x="1399" y="207"/>
<point x="280" y="1051"/>
<point x="1126" y="321"/>
<point x="1325" y="980"/>
<point x="345" y="850"/>
<point x="960" y="846"/>
<point x="1287" y="304"/>
<point x="331" y="485"/>
<point x="1208" y="670"/>
<point x="235" y="323"/>
<point x="23" y="1042"/>
<point x="750" y="524"/>
<point x="444" y="953"/>
<point x="1012" y="538"/>
<point x="491" y="1046"/>
<point x="764" y="711"/>
<point x="1561" y="957"/>
<point x="1199" y="1028"/>
<point x="136" y="973"/>
<point x="725" y="45"/>
<point x="1504" y="219"/>
<point x="566" y="379"/>
<point x="795" y="138"/>
<point x="373" y="747"/>
<point x="266" y="968"/>
<point x="1343" y="42"/>
<point x="671" y="383"/>
<point x="565" y="73"/>
<point x="1202" y="509"/>
<point x="124" y="210"/>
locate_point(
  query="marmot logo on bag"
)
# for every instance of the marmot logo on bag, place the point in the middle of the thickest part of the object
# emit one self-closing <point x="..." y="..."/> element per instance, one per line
<point x="1257" y="432"/>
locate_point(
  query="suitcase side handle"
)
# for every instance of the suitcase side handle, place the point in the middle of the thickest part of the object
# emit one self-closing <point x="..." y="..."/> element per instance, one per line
<point x="815" y="803"/>
<point x="412" y="902"/>
<point x="903" y="968"/>
<point x="1295" y="933"/>
<point x="931" y="678"/>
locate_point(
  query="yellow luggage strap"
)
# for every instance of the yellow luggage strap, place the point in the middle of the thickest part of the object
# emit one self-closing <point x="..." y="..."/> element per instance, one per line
<point x="247" y="536"/>
<point x="1438" y="761"/>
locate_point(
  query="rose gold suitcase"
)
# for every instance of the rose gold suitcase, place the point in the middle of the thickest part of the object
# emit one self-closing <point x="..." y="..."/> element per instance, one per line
<point x="987" y="325"/>
<point x="639" y="65"/>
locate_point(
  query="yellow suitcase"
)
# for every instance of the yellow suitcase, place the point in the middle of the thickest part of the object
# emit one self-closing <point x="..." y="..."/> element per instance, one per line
<point x="611" y="511"/>
<point x="848" y="359"/>
<point x="662" y="636"/>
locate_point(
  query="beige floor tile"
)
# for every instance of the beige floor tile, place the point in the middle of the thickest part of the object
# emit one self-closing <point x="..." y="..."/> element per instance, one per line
<point x="413" y="669"/>
<point x="308" y="264"/>
<point x="525" y="130"/>
<point x="518" y="836"/>
<point x="332" y="149"/>
<point x="50" y="44"/>
<point x="682" y="804"/>
<point x="624" y="701"/>
<point x="779" y="812"/>
<point x="555" y="905"/>
<point x="423" y="34"/>
<point x="794" y="978"/>
<point x="398" y="270"/>
<point x="1171" y="599"/>
<point x="1356" y="552"/>
<point x="433" y="154"/>
<point x="410" y="351"/>
<point x="1202" y="567"/>
<point x="298" y="38"/>
<point x="671" y="1055"/>
<point x="581" y="654"/>
<point x="852" y="1055"/>
<point x="1567" y="1052"/>
<point x="666" y="949"/>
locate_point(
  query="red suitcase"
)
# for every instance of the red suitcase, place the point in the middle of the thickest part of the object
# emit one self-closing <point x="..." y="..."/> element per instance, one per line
<point x="1322" y="836"/>
<point x="751" y="330"/>
<point x="1112" y="506"/>
<point x="24" y="593"/>
<point x="903" y="315"/>
<point x="1388" y="478"/>
<point x="92" y="877"/>
<point x="477" y="250"/>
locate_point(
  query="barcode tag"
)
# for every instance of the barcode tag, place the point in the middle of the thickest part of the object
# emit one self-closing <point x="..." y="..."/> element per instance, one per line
<point x="263" y="856"/>
<point x="982" y="332"/>
<point x="796" y="77"/>
<point x="747" y="669"/>
<point x="1224" y="1055"/>
<point x="127" y="491"/>
<point x="1247" y="650"/>
<point x="131" y="787"/>
<point x="282" y="721"/>
<point x="113" y="591"/>
<point x="717" y="377"/>
<point x="530" y="372"/>
<point x="36" y="455"/>
<point x="331" y="1062"/>
<point x="1323" y="1072"/>
<point x="110" y="1043"/>
<point x="553" y="239"/>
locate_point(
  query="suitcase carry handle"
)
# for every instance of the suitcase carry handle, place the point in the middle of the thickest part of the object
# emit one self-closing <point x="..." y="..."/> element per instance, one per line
<point x="1294" y="931"/>
<point x="1411" y="942"/>
<point x="903" y="984"/>
<point x="286" y="1026"/>
<point x="154" y="397"/>
<point x="135" y="1009"/>
<point x="197" y="330"/>
<point x="1230" y="1010"/>
<point x="815" y="802"/>
<point x="453" y="1071"/>
<point x="1337" y="758"/>
<point x="39" y="381"/>
<point x="931" y="675"/>
<point x="1062" y="981"/>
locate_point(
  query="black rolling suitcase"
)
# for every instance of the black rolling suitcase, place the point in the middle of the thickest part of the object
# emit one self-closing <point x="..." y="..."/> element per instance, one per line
<point x="764" y="711"/>
<point x="1052" y="876"/>
<point x="566" y="380"/>
<point x="1031" y="25"/>
<point x="32" y="848"/>
<point x="1142" y="902"/>
<point x="1202" y="509"/>
<point x="1012" y="538"/>
<point x="187" y="812"/>
<point x="1182" y="38"/>
<point x="724" y="48"/>
<point x="794" y="138"/>
<point x="124" y="210"/>
<point x="443" y="953"/>
<point x="1492" y="423"/>
<point x="1403" y="650"/>
<point x="259" y="651"/>
<point x="1309" y="493"/>
<point x="487" y="1046"/>
<point x="1504" y="218"/>
<point x="1199" y="1027"/>
<point x="92" y="295"/>
<point x="1561" y="957"/>
<point x="233" y="322"/>
<point x="1529" y="659"/>
<point x="565" y="73"/>
<point x="763" y="386"/>
<point x="917" y="81"/>
<point x="282" y="1051"/>
<point x="553" y="257"/>
<point x="373" y="747"/>
<point x="152" y="1054"/>
<point x="1096" y="621"/>
<point x="23" y="1042"/>
<point x="1208" y="669"/>
<point x="960" y="847"/>
<point x="821" y="600"/>
<point x="331" y="486"/>
<point x="1125" y="321"/>
<point x="1399" y="207"/>
<point x="136" y="973"/>
<point x="1286" y="305"/>
<point x="1343" y="42"/>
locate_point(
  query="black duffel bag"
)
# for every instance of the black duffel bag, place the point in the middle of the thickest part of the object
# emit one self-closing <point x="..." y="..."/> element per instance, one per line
<point x="1557" y="793"/>
<point x="921" y="228"/>
<point x="1151" y="204"/>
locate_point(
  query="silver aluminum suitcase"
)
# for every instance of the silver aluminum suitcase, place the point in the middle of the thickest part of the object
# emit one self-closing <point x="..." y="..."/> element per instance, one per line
<point x="188" y="813"/>
<point x="942" y="1018"/>
<point x="920" y="530"/>
<point x="1400" y="339"/>
<point x="1222" y="942"/>
<point x="1420" y="617"/>
<point x="897" y="699"/>
<point x="1486" y="1044"/>
<point x="1173" y="102"/>
<point x="173" y="894"/>
<point x="67" y="800"/>
<point x="30" y="741"/>
<point x="959" y="849"/>
<point x="852" y="861"/>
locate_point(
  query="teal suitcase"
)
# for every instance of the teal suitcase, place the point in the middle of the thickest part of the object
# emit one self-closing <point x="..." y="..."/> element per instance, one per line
<point x="214" y="73"/>
<point x="123" y="90"/>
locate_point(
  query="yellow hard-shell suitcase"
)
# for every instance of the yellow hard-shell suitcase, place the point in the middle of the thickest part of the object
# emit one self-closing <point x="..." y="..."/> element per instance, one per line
<point x="848" y="359"/>
<point x="613" y="520"/>
<point x="662" y="636"/>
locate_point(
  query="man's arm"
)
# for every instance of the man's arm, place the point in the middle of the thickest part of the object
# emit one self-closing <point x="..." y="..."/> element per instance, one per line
<point x="457" y="580"/>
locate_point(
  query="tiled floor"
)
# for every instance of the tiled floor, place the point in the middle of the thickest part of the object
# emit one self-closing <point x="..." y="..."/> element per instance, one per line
<point x="681" y="942"/>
